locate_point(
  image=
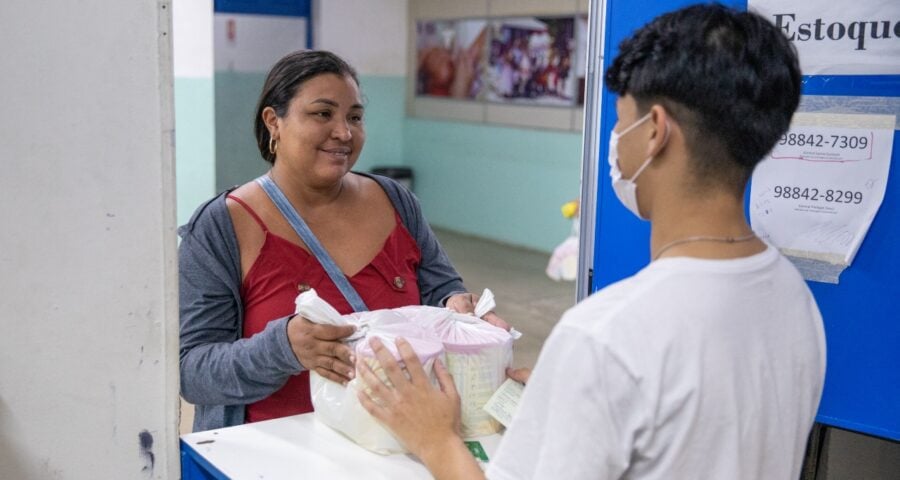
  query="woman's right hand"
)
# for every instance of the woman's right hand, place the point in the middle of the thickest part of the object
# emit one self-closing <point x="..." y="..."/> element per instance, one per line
<point x="319" y="348"/>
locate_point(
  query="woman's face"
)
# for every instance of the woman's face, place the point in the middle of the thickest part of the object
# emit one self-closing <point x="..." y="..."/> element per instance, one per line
<point x="322" y="133"/>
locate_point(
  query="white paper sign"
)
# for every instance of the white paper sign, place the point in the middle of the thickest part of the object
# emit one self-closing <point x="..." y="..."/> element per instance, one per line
<point x="859" y="37"/>
<point x="253" y="43"/>
<point x="816" y="194"/>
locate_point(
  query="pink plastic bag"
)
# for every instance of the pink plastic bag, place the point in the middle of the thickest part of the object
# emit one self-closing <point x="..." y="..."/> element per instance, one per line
<point x="337" y="405"/>
<point x="478" y="355"/>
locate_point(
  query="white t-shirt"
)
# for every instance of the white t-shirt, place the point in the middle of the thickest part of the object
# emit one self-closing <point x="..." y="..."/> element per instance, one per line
<point x="691" y="369"/>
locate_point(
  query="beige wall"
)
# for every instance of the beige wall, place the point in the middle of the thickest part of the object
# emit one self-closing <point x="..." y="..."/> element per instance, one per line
<point x="369" y="34"/>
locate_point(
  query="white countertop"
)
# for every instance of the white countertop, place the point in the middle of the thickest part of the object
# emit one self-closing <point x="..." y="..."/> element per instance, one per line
<point x="291" y="447"/>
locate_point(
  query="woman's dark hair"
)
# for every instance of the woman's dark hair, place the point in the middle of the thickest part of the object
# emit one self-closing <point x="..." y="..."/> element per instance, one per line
<point x="285" y="79"/>
<point x="730" y="78"/>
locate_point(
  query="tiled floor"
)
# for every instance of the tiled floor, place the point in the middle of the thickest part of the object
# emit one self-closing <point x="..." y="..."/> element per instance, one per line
<point x="525" y="296"/>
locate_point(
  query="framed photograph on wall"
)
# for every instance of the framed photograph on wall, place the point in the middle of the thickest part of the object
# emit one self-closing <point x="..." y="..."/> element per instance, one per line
<point x="449" y="58"/>
<point x="532" y="61"/>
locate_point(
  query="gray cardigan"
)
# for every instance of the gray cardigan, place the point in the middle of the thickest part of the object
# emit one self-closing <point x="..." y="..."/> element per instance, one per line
<point x="221" y="372"/>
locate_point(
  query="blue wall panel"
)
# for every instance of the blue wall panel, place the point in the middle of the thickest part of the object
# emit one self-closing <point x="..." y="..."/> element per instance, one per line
<point x="285" y="8"/>
<point x="622" y="245"/>
<point x="862" y="313"/>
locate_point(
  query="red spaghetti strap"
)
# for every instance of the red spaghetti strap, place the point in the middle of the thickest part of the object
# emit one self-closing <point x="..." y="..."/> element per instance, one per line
<point x="250" y="211"/>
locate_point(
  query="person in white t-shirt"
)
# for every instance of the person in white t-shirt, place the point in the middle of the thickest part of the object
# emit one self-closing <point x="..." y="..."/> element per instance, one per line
<point x="709" y="362"/>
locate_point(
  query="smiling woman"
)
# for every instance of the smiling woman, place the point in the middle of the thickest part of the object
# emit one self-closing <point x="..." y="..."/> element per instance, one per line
<point x="359" y="240"/>
<point x="322" y="131"/>
<point x="318" y="126"/>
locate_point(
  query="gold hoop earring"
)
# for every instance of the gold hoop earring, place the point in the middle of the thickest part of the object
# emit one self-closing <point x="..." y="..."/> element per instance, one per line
<point x="273" y="145"/>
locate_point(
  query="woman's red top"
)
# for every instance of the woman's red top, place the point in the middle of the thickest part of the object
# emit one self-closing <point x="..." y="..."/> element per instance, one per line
<point x="283" y="270"/>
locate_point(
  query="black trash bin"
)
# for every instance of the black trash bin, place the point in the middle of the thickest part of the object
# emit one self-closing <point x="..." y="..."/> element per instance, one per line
<point x="404" y="175"/>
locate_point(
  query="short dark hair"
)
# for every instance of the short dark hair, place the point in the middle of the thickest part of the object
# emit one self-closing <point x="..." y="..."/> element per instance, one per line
<point x="283" y="81"/>
<point x="730" y="78"/>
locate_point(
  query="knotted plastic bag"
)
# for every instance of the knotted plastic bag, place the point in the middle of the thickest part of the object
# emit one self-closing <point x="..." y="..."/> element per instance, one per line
<point x="477" y="353"/>
<point x="477" y="356"/>
<point x="337" y="405"/>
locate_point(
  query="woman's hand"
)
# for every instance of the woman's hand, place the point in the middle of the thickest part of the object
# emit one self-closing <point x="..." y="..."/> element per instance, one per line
<point x="462" y="303"/>
<point x="496" y="321"/>
<point x="319" y="349"/>
<point x="465" y="303"/>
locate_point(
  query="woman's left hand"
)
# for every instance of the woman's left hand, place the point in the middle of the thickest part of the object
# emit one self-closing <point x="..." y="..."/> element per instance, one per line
<point x="465" y="303"/>
<point x="496" y="321"/>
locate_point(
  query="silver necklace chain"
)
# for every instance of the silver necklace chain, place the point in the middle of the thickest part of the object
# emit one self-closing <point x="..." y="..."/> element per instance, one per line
<point x="703" y="238"/>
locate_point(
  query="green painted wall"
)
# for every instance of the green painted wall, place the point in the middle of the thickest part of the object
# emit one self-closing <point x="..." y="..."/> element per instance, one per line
<point x="195" y="147"/>
<point x="385" y="99"/>
<point x="237" y="158"/>
<point x="506" y="184"/>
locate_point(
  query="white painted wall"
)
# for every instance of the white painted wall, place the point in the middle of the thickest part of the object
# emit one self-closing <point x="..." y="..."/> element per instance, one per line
<point x="370" y="34"/>
<point x="192" y="27"/>
<point x="88" y="349"/>
<point x="253" y="43"/>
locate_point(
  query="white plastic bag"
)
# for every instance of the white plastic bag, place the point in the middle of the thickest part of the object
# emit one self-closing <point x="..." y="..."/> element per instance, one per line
<point x="338" y="406"/>
<point x="563" y="264"/>
<point x="477" y="355"/>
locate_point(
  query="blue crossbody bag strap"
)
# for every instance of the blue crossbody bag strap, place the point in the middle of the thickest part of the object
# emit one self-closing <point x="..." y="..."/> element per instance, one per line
<point x="302" y="229"/>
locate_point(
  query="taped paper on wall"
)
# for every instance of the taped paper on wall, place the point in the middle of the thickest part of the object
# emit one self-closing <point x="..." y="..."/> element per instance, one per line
<point x="839" y="38"/>
<point x="816" y="194"/>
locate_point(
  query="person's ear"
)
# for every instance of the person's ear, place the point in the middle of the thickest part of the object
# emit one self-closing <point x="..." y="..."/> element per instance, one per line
<point x="271" y="120"/>
<point x="659" y="137"/>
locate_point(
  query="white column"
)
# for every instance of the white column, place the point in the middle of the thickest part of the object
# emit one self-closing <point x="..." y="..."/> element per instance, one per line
<point x="88" y="324"/>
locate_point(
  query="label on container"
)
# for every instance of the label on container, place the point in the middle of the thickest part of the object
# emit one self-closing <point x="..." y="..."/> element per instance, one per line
<point x="505" y="401"/>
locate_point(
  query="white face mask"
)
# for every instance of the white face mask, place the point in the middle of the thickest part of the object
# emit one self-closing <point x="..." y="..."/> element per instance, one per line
<point x="625" y="189"/>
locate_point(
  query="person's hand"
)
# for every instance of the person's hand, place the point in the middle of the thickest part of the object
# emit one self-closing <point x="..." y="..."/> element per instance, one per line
<point x="520" y="375"/>
<point x="423" y="417"/>
<point x="462" y="303"/>
<point x="319" y="349"/>
<point x="496" y="321"/>
<point x="465" y="303"/>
